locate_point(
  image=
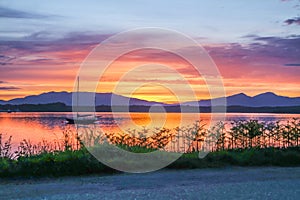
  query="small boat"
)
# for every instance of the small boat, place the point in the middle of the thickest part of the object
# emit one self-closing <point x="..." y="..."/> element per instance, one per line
<point x="80" y="120"/>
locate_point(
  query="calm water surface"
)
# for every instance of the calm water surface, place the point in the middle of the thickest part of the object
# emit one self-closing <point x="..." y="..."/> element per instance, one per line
<point x="50" y="126"/>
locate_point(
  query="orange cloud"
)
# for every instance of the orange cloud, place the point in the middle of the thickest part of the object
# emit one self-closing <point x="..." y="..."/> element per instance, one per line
<point x="264" y="65"/>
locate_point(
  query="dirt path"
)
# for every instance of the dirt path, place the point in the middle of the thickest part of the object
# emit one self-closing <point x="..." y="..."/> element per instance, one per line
<point x="229" y="183"/>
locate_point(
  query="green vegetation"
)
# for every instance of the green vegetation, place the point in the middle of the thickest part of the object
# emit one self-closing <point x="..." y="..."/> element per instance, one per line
<point x="81" y="162"/>
<point x="65" y="163"/>
<point x="241" y="143"/>
<point x="241" y="157"/>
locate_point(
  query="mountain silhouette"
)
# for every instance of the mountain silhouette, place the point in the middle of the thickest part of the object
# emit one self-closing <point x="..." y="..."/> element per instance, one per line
<point x="267" y="99"/>
<point x="85" y="98"/>
<point x="107" y="99"/>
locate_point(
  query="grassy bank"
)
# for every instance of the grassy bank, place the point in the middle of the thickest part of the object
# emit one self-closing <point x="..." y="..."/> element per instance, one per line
<point x="81" y="162"/>
<point x="288" y="157"/>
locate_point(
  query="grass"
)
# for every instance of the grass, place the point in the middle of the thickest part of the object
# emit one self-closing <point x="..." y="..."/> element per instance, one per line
<point x="65" y="163"/>
<point x="289" y="157"/>
<point x="81" y="162"/>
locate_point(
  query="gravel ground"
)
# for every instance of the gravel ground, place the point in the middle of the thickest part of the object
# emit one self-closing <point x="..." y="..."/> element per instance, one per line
<point x="228" y="183"/>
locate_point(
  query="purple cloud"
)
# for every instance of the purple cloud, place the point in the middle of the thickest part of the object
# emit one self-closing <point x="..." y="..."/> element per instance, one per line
<point x="9" y="88"/>
<point x="12" y="13"/>
<point x="292" y="64"/>
<point x="278" y="47"/>
<point x="41" y="48"/>
<point x="257" y="59"/>
<point x="40" y="42"/>
<point x="295" y="20"/>
<point x="5" y="60"/>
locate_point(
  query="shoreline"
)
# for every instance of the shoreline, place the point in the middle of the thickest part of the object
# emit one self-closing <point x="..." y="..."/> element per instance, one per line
<point x="61" y="107"/>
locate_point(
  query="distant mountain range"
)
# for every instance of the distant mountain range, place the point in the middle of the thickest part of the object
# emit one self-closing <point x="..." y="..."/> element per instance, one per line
<point x="267" y="99"/>
<point x="104" y="99"/>
<point x="262" y="100"/>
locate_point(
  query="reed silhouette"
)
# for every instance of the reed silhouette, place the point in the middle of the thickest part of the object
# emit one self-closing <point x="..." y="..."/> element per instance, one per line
<point x="240" y="134"/>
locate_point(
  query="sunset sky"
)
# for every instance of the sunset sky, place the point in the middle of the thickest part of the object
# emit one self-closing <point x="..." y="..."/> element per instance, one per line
<point x="255" y="44"/>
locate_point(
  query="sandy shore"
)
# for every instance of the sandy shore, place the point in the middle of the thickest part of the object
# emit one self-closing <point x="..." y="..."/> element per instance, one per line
<point x="229" y="183"/>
